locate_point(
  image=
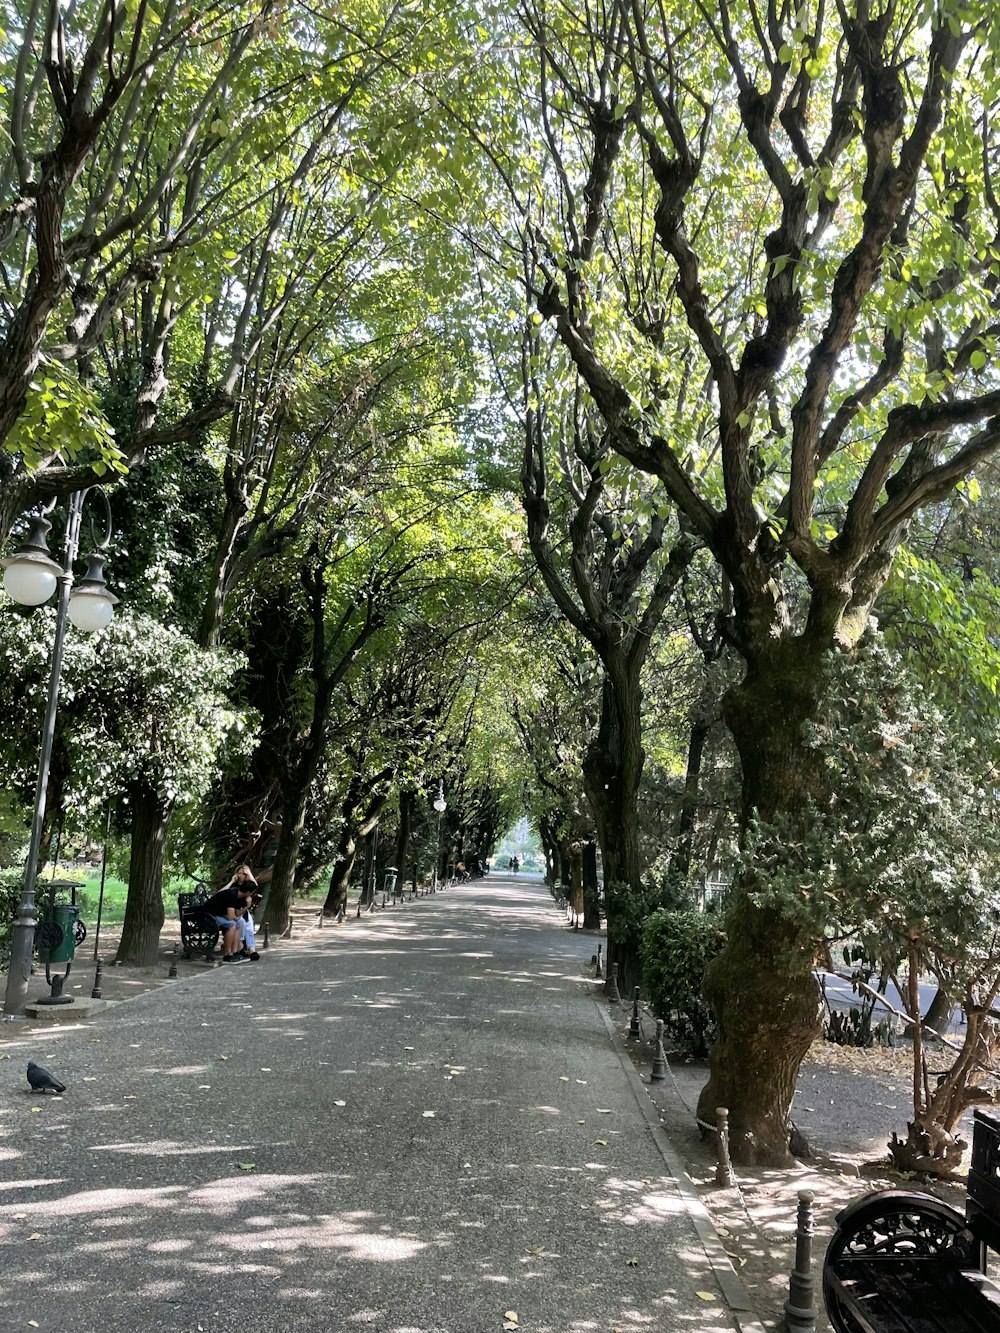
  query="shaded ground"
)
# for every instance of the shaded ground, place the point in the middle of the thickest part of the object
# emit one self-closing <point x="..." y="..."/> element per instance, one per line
<point x="847" y="1104"/>
<point x="415" y="1123"/>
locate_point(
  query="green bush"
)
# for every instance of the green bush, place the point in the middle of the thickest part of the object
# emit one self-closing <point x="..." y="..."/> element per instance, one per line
<point x="10" y="896"/>
<point x="676" y="949"/>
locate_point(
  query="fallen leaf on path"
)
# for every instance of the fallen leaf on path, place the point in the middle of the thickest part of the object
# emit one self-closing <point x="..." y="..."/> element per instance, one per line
<point x="633" y="1262"/>
<point x="265" y="1069"/>
<point x="204" y="1087"/>
<point x="583" y="1081"/>
<point x="247" y="1166"/>
<point x="90" y="1078"/>
<point x="511" y="1315"/>
<point x="604" y="1110"/>
<point x="602" y="1142"/>
<point x="339" y="1103"/>
<point x="428" y="1115"/>
<point x="706" y="1295"/>
<point x="36" y="1110"/>
<point x="35" y="1235"/>
<point x="19" y="1217"/>
<point x="223" y="1057"/>
<point x="563" y="1078"/>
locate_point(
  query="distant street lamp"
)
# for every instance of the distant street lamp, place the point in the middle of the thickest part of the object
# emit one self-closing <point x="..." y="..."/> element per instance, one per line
<point x="440" y="805"/>
<point x="30" y="577"/>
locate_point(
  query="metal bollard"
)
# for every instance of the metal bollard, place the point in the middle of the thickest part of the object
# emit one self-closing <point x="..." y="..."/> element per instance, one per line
<point x="724" y="1174"/>
<point x="599" y="972"/>
<point x="611" y="985"/>
<point x="659" y="1069"/>
<point x="265" y="936"/>
<point x="95" y="994"/>
<point x="172" y="971"/>
<point x="800" y="1308"/>
<point x="633" y="1027"/>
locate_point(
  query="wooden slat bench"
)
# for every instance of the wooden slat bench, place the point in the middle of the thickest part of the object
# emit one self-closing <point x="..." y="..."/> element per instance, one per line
<point x="903" y="1262"/>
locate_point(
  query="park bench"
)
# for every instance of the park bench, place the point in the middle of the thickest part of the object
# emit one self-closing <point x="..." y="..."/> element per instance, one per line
<point x="903" y="1262"/>
<point x="199" y="933"/>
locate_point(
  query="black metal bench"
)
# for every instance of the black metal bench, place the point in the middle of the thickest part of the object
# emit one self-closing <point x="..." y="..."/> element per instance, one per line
<point x="902" y="1262"/>
<point x="199" y="933"/>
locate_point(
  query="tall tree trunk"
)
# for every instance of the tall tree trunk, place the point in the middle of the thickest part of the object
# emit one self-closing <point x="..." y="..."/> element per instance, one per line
<point x="140" y="940"/>
<point x="761" y="986"/>
<point x="367" y="896"/>
<point x="612" y="772"/>
<point x="407" y="799"/>
<point x="681" y="860"/>
<point x="564" y="873"/>
<point x="549" y="849"/>
<point x="278" y="901"/>
<point x="591" y="891"/>
<point x="340" y="876"/>
<point x="939" y="1011"/>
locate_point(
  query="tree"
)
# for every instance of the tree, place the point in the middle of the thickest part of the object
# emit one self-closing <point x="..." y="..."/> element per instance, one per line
<point x="145" y="717"/>
<point x="787" y="323"/>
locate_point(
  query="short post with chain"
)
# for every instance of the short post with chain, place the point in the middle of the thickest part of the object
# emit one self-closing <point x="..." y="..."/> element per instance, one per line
<point x="800" y="1308"/>
<point x="633" y="1027"/>
<point x="659" y="1069"/>
<point x="724" y="1174"/>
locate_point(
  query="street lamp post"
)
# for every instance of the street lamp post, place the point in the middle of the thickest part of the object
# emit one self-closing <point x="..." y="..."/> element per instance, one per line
<point x="440" y="805"/>
<point x="30" y="577"/>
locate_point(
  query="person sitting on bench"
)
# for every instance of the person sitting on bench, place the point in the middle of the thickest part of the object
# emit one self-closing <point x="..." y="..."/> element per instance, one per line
<point x="230" y="909"/>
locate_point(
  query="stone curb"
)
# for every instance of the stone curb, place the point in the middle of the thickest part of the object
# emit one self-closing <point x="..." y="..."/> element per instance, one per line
<point x="733" y="1290"/>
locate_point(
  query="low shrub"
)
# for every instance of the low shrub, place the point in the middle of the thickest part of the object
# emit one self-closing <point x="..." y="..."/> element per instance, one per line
<point x="676" y="949"/>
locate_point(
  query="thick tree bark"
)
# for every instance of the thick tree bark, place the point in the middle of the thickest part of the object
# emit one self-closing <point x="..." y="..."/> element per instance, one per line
<point x="279" y="898"/>
<point x="761" y="987"/>
<point x="357" y="826"/>
<point x="681" y="860"/>
<point x="407" y="799"/>
<point x="591" y="902"/>
<point x="367" y="896"/>
<point x="140" y="940"/>
<point x="340" y="876"/>
<point x="612" y="772"/>
<point x="939" y="1011"/>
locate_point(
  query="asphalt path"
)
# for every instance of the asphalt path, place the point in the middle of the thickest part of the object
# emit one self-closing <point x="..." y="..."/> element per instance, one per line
<point x="415" y="1123"/>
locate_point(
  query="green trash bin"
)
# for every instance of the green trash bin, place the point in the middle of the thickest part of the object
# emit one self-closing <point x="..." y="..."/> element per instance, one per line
<point x="55" y="934"/>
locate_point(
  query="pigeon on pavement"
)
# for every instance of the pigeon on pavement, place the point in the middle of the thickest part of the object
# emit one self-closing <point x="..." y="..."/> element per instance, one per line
<point x="41" y="1080"/>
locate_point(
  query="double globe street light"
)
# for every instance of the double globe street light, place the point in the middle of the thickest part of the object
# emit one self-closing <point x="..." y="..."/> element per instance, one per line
<point x="30" y="577"/>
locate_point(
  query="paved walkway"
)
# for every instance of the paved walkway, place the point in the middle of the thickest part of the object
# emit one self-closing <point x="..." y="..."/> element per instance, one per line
<point x="411" y="1124"/>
